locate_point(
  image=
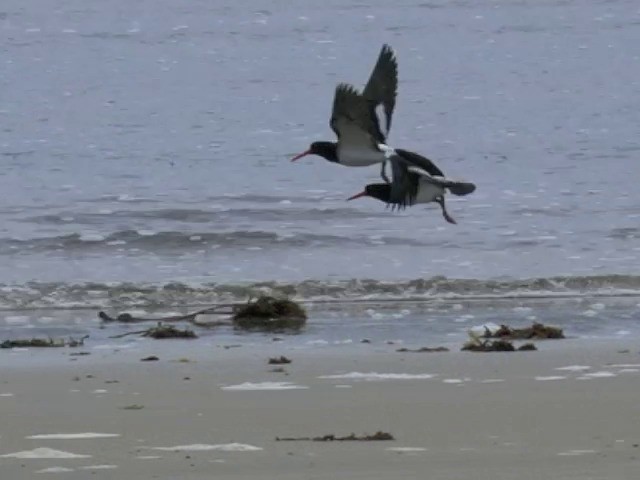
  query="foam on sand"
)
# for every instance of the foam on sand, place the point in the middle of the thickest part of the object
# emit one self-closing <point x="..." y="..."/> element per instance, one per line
<point x="601" y="374"/>
<point x="373" y="376"/>
<point x="248" y="386"/>
<point x="574" y="368"/>
<point x="575" y="453"/>
<point x="99" y="467"/>
<point x="71" y="436"/>
<point x="406" y="449"/>
<point x="55" y="470"/>
<point x="203" y="447"/>
<point x="44" y="453"/>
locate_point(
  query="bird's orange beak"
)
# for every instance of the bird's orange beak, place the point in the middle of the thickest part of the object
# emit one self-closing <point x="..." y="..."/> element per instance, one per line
<point x="357" y="195"/>
<point x="299" y="156"/>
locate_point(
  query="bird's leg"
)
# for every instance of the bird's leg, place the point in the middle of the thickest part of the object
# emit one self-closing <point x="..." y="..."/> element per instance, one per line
<point x="383" y="172"/>
<point x="445" y="214"/>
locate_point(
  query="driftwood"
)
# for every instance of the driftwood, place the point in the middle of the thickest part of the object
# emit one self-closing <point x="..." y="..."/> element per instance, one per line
<point x="378" y="436"/>
<point x="265" y="313"/>
<point x="190" y="317"/>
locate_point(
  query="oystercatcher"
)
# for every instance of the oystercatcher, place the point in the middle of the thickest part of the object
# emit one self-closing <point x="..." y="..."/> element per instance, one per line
<point x="413" y="183"/>
<point x="355" y="120"/>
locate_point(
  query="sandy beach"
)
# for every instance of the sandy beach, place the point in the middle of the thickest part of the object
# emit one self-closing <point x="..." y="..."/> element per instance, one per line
<point x="204" y="410"/>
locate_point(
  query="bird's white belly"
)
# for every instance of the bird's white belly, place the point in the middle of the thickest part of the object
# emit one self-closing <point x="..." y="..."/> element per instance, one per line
<point x="428" y="192"/>
<point x="359" y="156"/>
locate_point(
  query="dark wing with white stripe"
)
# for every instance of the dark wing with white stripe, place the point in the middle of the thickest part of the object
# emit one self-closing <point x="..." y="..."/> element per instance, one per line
<point x="412" y="158"/>
<point x="381" y="90"/>
<point x="454" y="186"/>
<point x="405" y="183"/>
<point x="350" y="118"/>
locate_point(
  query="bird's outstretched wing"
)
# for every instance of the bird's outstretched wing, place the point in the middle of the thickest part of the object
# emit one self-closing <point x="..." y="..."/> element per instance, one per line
<point x="413" y="159"/>
<point x="381" y="90"/>
<point x="350" y="118"/>
<point x="404" y="187"/>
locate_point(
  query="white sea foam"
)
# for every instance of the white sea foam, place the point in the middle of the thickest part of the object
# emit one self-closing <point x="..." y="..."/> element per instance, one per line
<point x="406" y="449"/>
<point x="16" y="319"/>
<point x="549" y="378"/>
<point x="99" y="467"/>
<point x="203" y="447"/>
<point x="601" y="374"/>
<point x="55" y="470"/>
<point x="574" y="368"/>
<point x="575" y="453"/>
<point x="6" y="394"/>
<point x="44" y="453"/>
<point x="379" y="376"/>
<point x="248" y="386"/>
<point x="492" y="380"/>
<point x="72" y="436"/>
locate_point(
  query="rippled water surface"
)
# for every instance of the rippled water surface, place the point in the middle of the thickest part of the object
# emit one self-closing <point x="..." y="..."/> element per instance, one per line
<point x="149" y="142"/>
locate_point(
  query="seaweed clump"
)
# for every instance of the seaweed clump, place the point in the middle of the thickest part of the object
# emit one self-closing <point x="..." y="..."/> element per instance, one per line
<point x="378" y="436"/>
<point x="537" y="331"/>
<point x="489" y="346"/>
<point x="281" y="360"/>
<point x="423" y="350"/>
<point x="269" y="314"/>
<point x="168" y="331"/>
<point x="43" y="343"/>
<point x="499" y="345"/>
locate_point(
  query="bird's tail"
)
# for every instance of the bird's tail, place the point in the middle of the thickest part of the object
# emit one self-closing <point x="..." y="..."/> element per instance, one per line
<point x="454" y="186"/>
<point x="459" y="188"/>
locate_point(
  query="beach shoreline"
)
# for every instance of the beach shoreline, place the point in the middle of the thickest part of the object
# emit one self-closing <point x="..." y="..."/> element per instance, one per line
<point x="208" y="409"/>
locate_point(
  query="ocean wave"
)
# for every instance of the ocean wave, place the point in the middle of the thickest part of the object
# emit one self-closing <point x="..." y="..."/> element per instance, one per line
<point x="39" y="295"/>
<point x="152" y="241"/>
<point x="195" y="215"/>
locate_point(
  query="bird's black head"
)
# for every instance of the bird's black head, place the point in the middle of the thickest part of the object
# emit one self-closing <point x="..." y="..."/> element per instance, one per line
<point x="327" y="150"/>
<point x="380" y="191"/>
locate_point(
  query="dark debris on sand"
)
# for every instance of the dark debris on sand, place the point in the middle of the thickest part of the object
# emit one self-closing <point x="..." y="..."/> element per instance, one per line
<point x="496" y="346"/>
<point x="281" y="360"/>
<point x="423" y="350"/>
<point x="161" y="332"/>
<point x="378" y="436"/>
<point x="269" y="314"/>
<point x="44" y="343"/>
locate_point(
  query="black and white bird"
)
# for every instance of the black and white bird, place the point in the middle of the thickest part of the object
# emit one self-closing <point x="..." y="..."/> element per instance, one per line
<point x="355" y="118"/>
<point x="361" y="142"/>
<point x="413" y="184"/>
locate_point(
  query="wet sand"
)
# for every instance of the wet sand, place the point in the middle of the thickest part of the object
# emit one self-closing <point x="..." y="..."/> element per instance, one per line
<point x="567" y="411"/>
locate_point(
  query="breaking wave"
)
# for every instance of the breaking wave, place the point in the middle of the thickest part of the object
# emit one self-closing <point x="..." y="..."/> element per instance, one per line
<point x="38" y="295"/>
